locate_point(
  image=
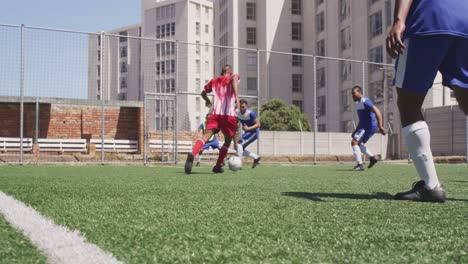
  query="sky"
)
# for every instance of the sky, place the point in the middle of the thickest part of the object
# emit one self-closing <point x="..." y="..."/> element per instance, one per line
<point x="56" y="63"/>
<point x="82" y="15"/>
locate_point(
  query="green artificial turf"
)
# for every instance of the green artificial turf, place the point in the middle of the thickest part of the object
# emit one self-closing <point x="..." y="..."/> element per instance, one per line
<point x="15" y="248"/>
<point x="273" y="214"/>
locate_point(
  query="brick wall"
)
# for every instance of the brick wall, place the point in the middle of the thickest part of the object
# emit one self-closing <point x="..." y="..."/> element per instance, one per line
<point x="65" y="121"/>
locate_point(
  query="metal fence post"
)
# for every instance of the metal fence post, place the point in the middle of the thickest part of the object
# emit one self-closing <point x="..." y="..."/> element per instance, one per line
<point x="21" y="94"/>
<point x="176" y="127"/>
<point x="101" y="84"/>
<point x="363" y="77"/>
<point x="145" y="133"/>
<point x="315" y="109"/>
<point x="258" y="98"/>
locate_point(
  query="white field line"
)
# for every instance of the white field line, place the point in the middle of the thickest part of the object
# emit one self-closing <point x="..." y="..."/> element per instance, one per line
<point x="59" y="244"/>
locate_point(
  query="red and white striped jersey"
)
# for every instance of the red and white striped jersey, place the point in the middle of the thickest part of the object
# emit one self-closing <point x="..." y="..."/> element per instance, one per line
<point x="224" y="97"/>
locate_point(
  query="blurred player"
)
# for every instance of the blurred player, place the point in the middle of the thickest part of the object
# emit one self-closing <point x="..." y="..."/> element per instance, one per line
<point x="212" y="143"/>
<point x="370" y="121"/>
<point x="223" y="118"/>
<point x="427" y="36"/>
<point x="251" y="127"/>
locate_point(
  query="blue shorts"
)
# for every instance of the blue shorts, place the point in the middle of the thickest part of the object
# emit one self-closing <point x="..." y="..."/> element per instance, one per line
<point x="212" y="145"/>
<point x="417" y="67"/>
<point x="248" y="137"/>
<point x="362" y="135"/>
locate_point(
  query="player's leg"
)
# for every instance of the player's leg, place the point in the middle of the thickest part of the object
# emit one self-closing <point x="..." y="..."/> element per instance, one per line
<point x="200" y="156"/>
<point x="237" y="138"/>
<point x="461" y="94"/>
<point x="211" y="129"/>
<point x="228" y="127"/>
<point x="247" y="139"/>
<point x="355" y="142"/>
<point x="365" y="150"/>
<point x="416" y="70"/>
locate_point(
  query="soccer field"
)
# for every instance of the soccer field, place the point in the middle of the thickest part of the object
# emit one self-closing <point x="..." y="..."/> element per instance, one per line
<point x="273" y="214"/>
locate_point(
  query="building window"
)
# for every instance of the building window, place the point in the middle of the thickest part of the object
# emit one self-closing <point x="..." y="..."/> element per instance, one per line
<point x="345" y="38"/>
<point x="173" y="48"/>
<point x="388" y="13"/>
<point x="207" y="12"/>
<point x="197" y="47"/>
<point x="197" y="10"/>
<point x="123" y="52"/>
<point x="345" y="9"/>
<point x="207" y="29"/>
<point x="123" y="82"/>
<point x="375" y="55"/>
<point x="251" y="11"/>
<point x="375" y="92"/>
<point x="197" y="84"/>
<point x="298" y="103"/>
<point x="197" y="28"/>
<point x="321" y="77"/>
<point x="197" y="64"/>
<point x="207" y="66"/>
<point x="197" y="104"/>
<point x="321" y="106"/>
<point x="172" y="29"/>
<point x="163" y="31"/>
<point x="296" y="59"/>
<point x="345" y="72"/>
<point x="99" y="56"/>
<point x="252" y="84"/>
<point x="320" y="21"/>
<point x="252" y="60"/>
<point x="296" y="7"/>
<point x="122" y="96"/>
<point x="320" y="48"/>
<point x="251" y="36"/>
<point x="173" y="66"/>
<point x="296" y="31"/>
<point x="123" y="36"/>
<point x="297" y="83"/>
<point x="346" y="101"/>
<point x="163" y="67"/>
<point x="123" y="67"/>
<point x="158" y="32"/>
<point x="376" y="24"/>
<point x="322" y="128"/>
<point x="158" y="68"/>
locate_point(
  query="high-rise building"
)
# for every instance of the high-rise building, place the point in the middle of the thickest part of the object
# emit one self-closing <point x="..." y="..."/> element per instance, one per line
<point x="121" y="65"/>
<point x="186" y="22"/>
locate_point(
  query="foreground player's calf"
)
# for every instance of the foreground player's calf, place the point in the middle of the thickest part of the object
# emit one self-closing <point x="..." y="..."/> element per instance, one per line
<point x="433" y="38"/>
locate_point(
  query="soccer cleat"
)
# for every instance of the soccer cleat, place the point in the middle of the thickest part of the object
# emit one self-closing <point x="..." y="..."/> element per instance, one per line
<point x="189" y="163"/>
<point x="218" y="169"/>
<point x="256" y="162"/>
<point x="420" y="193"/>
<point x="198" y="164"/>
<point x="372" y="162"/>
<point x="359" y="167"/>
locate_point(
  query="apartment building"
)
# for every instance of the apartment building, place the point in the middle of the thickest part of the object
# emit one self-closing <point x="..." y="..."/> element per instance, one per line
<point x="121" y="65"/>
<point x="187" y="21"/>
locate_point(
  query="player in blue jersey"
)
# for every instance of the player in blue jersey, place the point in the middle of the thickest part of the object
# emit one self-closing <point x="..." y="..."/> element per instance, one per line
<point x="427" y="36"/>
<point x="212" y="143"/>
<point x="251" y="127"/>
<point x="370" y="121"/>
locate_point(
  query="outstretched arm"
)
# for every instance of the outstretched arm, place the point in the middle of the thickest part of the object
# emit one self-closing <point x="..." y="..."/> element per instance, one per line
<point x="395" y="45"/>
<point x="236" y="90"/>
<point x="204" y="95"/>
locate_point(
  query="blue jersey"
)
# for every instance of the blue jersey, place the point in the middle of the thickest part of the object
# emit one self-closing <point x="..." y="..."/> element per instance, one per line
<point x="431" y="17"/>
<point x="366" y="115"/>
<point x="248" y="118"/>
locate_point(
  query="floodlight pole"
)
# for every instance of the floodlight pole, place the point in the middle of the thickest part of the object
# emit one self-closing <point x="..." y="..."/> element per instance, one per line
<point x="101" y="91"/>
<point x="22" y="95"/>
<point x="315" y="109"/>
<point x="258" y="99"/>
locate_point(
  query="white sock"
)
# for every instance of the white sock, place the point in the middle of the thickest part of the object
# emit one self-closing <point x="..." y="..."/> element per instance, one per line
<point x="418" y="143"/>
<point x="239" y="150"/>
<point x="250" y="154"/>
<point x="366" y="151"/>
<point x="199" y="157"/>
<point x="357" y="154"/>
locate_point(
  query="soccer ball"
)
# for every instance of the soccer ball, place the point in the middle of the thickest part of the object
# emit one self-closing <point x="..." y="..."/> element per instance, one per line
<point x="235" y="163"/>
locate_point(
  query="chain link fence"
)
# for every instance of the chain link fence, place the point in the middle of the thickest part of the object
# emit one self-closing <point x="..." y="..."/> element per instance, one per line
<point x="79" y="97"/>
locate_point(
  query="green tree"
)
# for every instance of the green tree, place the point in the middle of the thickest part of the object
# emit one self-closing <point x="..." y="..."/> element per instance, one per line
<point x="275" y="115"/>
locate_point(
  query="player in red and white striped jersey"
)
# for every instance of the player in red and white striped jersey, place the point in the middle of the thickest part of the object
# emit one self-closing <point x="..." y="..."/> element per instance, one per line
<point x="223" y="117"/>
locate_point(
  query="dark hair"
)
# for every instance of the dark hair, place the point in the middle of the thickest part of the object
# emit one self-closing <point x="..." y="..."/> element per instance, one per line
<point x="357" y="87"/>
<point x="243" y="101"/>
<point x="222" y="70"/>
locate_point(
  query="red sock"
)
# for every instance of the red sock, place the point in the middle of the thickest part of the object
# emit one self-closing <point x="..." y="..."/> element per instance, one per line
<point x="222" y="155"/>
<point x="198" y="145"/>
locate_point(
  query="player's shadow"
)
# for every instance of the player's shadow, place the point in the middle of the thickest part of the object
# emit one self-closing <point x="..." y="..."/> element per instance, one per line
<point x="354" y="196"/>
<point x="195" y="173"/>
